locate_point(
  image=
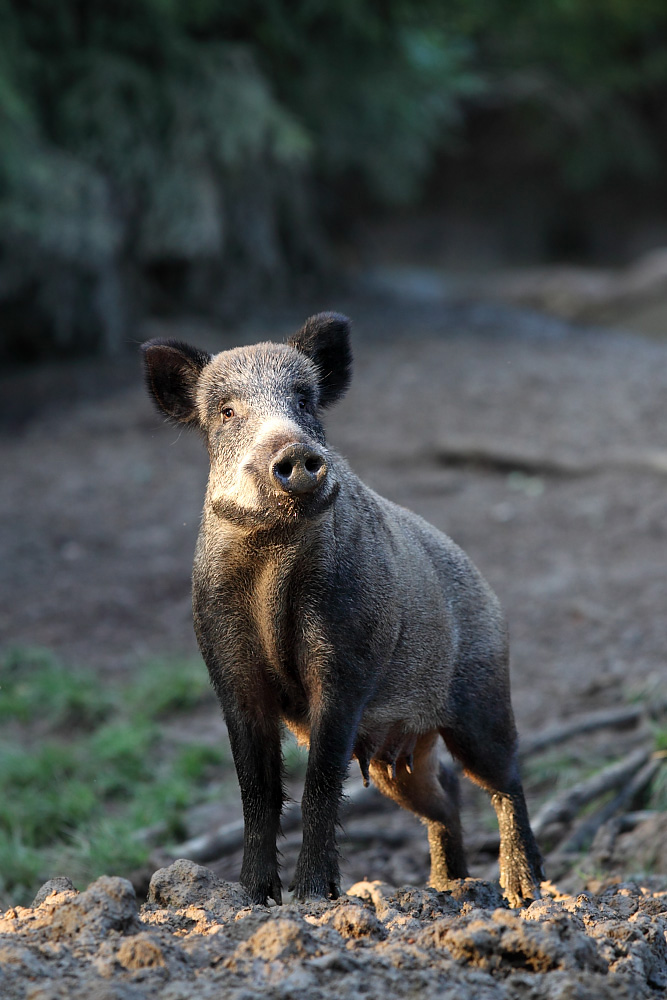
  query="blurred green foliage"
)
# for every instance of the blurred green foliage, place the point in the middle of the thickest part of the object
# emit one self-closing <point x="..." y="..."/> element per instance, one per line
<point x="160" y="152"/>
<point x="84" y="765"/>
<point x="159" y="139"/>
<point x="585" y="79"/>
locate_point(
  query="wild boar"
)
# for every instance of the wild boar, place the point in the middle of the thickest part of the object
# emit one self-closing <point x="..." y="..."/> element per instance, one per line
<point x="323" y="606"/>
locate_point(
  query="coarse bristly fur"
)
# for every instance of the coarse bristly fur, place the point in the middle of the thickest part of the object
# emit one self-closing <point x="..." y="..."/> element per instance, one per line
<point x="322" y="605"/>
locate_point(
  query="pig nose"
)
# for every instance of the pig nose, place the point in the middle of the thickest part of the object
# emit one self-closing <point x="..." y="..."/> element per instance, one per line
<point x="297" y="468"/>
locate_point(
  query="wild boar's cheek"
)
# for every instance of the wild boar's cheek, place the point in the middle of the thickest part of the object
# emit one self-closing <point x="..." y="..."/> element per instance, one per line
<point x="233" y="479"/>
<point x="242" y="487"/>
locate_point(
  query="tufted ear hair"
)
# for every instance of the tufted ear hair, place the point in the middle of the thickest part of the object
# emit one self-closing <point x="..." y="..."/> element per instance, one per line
<point x="172" y="370"/>
<point x="325" y="339"/>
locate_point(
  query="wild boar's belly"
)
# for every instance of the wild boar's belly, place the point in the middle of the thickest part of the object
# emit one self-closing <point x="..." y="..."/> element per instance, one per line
<point x="414" y="685"/>
<point x="425" y="649"/>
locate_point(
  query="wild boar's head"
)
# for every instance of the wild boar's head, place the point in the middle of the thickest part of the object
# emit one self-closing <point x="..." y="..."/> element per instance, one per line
<point x="259" y="409"/>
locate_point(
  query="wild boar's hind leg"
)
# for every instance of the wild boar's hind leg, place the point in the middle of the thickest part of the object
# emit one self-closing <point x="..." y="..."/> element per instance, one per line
<point x="520" y="861"/>
<point x="428" y="789"/>
<point x="483" y="739"/>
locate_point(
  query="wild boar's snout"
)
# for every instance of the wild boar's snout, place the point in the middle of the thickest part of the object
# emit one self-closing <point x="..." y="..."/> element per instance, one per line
<point x="298" y="469"/>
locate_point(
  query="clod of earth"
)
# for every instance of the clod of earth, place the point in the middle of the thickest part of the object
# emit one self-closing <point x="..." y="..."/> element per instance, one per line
<point x="197" y="935"/>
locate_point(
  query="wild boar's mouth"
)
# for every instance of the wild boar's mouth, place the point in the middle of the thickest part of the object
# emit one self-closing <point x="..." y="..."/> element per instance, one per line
<point x="279" y="509"/>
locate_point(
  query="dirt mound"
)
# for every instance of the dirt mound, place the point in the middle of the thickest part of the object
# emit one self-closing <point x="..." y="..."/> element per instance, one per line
<point x="197" y="935"/>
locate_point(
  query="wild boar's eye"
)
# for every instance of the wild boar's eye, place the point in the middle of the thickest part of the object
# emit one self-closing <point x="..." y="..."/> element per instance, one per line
<point x="227" y="412"/>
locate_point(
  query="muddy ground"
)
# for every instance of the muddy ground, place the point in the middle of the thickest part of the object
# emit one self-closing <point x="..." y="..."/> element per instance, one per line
<point x="99" y="508"/>
<point x="200" y="937"/>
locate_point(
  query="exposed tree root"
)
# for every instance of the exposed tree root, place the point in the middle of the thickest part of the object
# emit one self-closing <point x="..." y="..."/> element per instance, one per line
<point x="504" y="458"/>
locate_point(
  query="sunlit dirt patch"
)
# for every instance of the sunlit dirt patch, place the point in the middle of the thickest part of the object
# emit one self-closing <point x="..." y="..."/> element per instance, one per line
<point x="199" y="936"/>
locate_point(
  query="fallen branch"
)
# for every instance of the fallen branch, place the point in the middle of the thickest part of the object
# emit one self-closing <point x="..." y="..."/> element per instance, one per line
<point x="360" y="834"/>
<point x="628" y="821"/>
<point x="516" y="458"/>
<point x="229" y="838"/>
<point x="563" y="807"/>
<point x="560" y="860"/>
<point x="588" y="723"/>
<point x="584" y="834"/>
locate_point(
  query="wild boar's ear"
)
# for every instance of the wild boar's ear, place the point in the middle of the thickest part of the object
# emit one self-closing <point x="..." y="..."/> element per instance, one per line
<point x="172" y="371"/>
<point x="325" y="339"/>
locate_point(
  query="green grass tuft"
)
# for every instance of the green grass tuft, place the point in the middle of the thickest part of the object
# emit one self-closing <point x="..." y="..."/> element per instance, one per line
<point x="169" y="686"/>
<point x="85" y="764"/>
<point x="34" y="683"/>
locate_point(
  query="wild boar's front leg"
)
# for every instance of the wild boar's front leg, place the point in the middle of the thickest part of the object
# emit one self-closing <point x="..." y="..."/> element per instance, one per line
<point x="331" y="740"/>
<point x="255" y="741"/>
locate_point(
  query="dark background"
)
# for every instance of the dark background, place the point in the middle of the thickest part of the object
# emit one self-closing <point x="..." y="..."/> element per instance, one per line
<point x="217" y="158"/>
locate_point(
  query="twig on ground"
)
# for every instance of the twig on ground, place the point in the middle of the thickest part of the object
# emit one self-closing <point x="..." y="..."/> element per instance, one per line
<point x="607" y="834"/>
<point x="229" y="838"/>
<point x="498" y="457"/>
<point x="628" y="821"/>
<point x="608" y="718"/>
<point x="585" y="832"/>
<point x="564" y="806"/>
<point x="360" y="834"/>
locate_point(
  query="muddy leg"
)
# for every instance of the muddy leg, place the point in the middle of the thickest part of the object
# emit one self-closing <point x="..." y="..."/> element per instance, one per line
<point x="431" y="792"/>
<point x="255" y="747"/>
<point x="492" y="764"/>
<point x="520" y="861"/>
